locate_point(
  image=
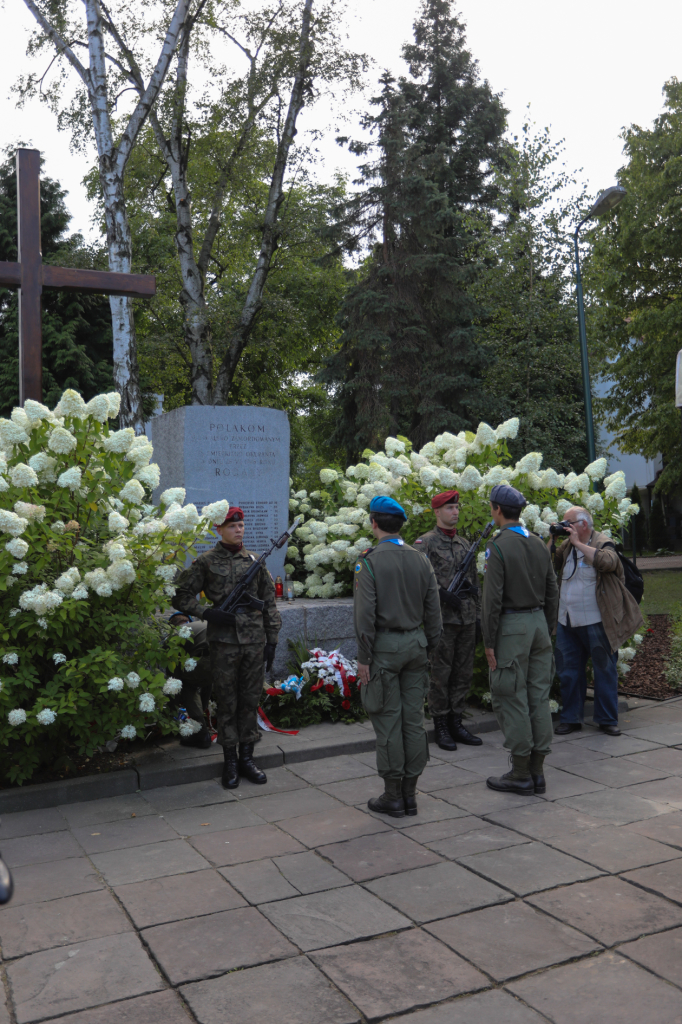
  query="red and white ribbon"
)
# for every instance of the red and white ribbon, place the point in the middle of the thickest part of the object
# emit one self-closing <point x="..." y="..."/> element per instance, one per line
<point x="266" y="725"/>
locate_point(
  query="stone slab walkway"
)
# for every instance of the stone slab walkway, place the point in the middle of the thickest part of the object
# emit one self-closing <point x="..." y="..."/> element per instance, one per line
<point x="293" y="903"/>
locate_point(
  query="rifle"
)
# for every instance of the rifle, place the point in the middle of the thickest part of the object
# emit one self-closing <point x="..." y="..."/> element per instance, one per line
<point x="239" y="600"/>
<point x="460" y="586"/>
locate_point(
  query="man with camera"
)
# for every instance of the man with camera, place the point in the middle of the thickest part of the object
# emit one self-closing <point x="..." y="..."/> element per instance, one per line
<point x="518" y="616"/>
<point x="596" y="615"/>
<point x="452" y="663"/>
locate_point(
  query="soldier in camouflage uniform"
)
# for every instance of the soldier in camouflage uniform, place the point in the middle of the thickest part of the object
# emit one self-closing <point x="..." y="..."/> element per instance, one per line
<point x="452" y="663"/>
<point x="197" y="683"/>
<point x="237" y="651"/>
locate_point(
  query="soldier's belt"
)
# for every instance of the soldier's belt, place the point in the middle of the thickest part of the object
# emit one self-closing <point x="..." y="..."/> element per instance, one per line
<point x="518" y="611"/>
<point x="393" y="629"/>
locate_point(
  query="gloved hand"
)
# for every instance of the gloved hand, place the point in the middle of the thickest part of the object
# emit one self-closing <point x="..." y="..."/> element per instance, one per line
<point x="217" y="617"/>
<point x="450" y="599"/>
<point x="479" y="631"/>
<point x="269" y="655"/>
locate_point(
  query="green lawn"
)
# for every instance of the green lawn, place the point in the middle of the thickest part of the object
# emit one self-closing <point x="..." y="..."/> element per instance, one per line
<point x="662" y="592"/>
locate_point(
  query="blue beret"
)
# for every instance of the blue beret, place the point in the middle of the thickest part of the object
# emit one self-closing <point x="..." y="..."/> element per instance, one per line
<point x="503" y="494"/>
<point x="388" y="506"/>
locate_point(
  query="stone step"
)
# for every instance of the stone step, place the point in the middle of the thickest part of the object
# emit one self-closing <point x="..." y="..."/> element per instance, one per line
<point x="169" y="764"/>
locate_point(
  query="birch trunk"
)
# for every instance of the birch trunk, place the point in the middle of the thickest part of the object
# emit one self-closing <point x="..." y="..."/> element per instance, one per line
<point x="112" y="162"/>
<point x="192" y="298"/>
<point x="254" y="299"/>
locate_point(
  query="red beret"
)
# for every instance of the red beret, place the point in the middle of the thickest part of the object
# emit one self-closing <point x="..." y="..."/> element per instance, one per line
<point x="444" y="498"/>
<point x="235" y="514"/>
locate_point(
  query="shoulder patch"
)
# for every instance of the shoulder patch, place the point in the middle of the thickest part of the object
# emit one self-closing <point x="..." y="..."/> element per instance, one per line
<point x="358" y="567"/>
<point x="487" y="553"/>
<point x="419" y="541"/>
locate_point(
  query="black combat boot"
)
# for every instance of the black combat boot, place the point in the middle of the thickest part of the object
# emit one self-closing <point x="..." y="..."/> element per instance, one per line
<point x="391" y="800"/>
<point x="230" y="768"/>
<point x="201" y="739"/>
<point x="248" y="767"/>
<point x="410" y="793"/>
<point x="535" y="767"/>
<point x="460" y="733"/>
<point x="443" y="737"/>
<point x="518" y="780"/>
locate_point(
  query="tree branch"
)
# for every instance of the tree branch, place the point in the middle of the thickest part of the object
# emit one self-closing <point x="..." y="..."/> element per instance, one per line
<point x="254" y="298"/>
<point x="61" y="45"/>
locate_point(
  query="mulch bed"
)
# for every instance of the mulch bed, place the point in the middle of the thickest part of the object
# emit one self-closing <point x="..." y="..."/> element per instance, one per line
<point x="99" y="764"/>
<point x="646" y="677"/>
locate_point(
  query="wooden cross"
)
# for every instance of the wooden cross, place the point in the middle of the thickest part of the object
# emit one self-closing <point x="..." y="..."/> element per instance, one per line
<point x="30" y="275"/>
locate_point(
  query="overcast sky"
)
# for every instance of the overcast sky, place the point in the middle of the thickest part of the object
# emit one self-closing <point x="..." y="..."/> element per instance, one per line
<point x="587" y="68"/>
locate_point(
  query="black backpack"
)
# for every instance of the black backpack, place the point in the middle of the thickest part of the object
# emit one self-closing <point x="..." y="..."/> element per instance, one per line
<point x="634" y="581"/>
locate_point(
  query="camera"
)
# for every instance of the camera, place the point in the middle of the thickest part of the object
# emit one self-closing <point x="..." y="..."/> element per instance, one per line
<point x="559" y="529"/>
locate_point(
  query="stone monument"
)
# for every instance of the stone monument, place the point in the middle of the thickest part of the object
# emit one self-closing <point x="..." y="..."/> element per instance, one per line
<point x="238" y="452"/>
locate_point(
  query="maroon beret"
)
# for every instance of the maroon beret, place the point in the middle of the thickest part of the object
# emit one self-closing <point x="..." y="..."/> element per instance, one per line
<point x="444" y="498"/>
<point x="234" y="515"/>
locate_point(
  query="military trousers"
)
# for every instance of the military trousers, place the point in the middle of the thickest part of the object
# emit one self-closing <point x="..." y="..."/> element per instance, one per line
<point x="238" y="677"/>
<point x="520" y="684"/>
<point x="452" y="669"/>
<point x="394" y="700"/>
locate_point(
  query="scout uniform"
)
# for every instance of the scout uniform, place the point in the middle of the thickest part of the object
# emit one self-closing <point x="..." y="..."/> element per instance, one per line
<point x="397" y="618"/>
<point x="236" y="651"/>
<point x="519" y="613"/>
<point x="452" y="663"/>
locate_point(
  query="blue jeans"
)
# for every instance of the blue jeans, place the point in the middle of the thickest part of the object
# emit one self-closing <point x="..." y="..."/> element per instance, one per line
<point x="574" y="645"/>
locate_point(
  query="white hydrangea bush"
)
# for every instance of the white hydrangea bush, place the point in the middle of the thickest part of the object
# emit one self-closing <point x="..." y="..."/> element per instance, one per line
<point x="336" y="526"/>
<point x="86" y="564"/>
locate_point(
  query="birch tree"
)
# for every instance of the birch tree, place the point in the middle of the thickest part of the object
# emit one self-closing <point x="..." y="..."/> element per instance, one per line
<point x="288" y="53"/>
<point x="103" y="75"/>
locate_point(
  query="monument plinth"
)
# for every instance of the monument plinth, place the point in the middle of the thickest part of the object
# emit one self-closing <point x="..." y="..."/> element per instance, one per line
<point x="238" y="452"/>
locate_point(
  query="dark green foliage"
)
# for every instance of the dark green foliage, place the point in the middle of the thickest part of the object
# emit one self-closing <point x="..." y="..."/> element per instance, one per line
<point x="530" y="320"/>
<point x="641" y="531"/>
<point x="409" y="360"/>
<point x="635" y="281"/>
<point x="77" y="341"/>
<point x="658" y="527"/>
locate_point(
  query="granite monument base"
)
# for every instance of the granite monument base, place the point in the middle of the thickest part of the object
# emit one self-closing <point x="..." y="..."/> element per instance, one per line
<point x="318" y="623"/>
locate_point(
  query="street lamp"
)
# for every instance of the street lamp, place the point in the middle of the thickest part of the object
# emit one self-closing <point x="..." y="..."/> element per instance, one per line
<point x="608" y="200"/>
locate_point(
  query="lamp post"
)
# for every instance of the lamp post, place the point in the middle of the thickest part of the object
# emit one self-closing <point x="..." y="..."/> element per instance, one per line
<point x="607" y="201"/>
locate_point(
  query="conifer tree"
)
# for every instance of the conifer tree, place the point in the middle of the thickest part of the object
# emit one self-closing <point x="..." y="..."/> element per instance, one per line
<point x="77" y="339"/>
<point x="409" y="360"/>
<point x="639" y="521"/>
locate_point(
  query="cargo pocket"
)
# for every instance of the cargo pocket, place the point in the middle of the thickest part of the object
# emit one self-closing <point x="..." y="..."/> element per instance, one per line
<point x="503" y="680"/>
<point x="372" y="694"/>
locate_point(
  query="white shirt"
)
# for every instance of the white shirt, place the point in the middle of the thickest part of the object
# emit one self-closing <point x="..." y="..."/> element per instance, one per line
<point x="578" y="603"/>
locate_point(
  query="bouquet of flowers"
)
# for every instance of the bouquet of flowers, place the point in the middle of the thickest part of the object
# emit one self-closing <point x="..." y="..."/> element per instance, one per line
<point x="323" y="687"/>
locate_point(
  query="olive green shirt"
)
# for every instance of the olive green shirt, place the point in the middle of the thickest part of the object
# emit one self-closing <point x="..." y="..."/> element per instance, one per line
<point x="395" y="588"/>
<point x="446" y="554"/>
<point x="216" y="573"/>
<point x="518" y="574"/>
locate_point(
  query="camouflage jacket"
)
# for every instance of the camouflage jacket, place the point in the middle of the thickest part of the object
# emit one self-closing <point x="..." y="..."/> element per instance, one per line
<point x="446" y="554"/>
<point x="216" y="572"/>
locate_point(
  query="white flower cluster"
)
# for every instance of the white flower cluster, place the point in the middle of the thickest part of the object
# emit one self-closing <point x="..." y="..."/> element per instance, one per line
<point x="189" y="727"/>
<point x="327" y="545"/>
<point x="41" y="600"/>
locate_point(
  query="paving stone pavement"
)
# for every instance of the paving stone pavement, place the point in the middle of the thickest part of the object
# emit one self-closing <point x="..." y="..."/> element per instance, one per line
<point x="292" y="902"/>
